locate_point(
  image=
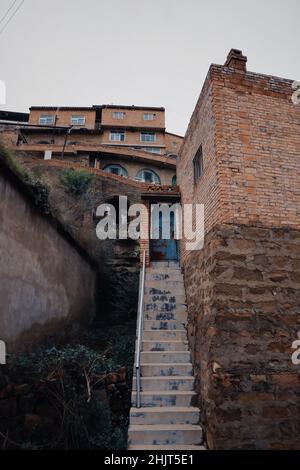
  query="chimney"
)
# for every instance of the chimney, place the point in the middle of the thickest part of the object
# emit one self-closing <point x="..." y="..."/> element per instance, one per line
<point x="236" y="60"/>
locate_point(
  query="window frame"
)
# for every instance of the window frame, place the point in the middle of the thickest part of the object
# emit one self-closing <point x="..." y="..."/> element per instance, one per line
<point x="77" y="117"/>
<point x="45" y="117"/>
<point x="154" y="150"/>
<point x="149" y="170"/>
<point x="198" y="167"/>
<point x="120" y="113"/>
<point x="114" y="133"/>
<point x="116" y="165"/>
<point x="149" y="133"/>
<point x="150" y="116"/>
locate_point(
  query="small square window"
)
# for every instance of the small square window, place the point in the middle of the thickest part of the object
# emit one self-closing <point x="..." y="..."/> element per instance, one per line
<point x="148" y="137"/>
<point x="77" y="120"/>
<point x="46" y="120"/>
<point x="118" y="115"/>
<point x="198" y="164"/>
<point x="117" y="136"/>
<point x="148" y="117"/>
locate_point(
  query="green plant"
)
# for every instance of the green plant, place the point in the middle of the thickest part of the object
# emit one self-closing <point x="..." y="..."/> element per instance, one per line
<point x="10" y="159"/>
<point x="76" y="181"/>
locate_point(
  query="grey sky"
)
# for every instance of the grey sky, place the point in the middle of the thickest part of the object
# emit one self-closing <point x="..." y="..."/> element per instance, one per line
<point x="142" y="52"/>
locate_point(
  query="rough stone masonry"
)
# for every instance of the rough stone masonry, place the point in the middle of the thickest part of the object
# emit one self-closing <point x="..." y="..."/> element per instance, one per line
<point x="243" y="288"/>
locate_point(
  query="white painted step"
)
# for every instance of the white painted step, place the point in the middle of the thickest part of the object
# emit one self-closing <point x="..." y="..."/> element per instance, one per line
<point x="165" y="345"/>
<point x="164" y="415"/>
<point x="166" y="284"/>
<point x="151" y="370"/>
<point x="169" y="447"/>
<point x="159" y="335"/>
<point x="165" y="434"/>
<point x="164" y="277"/>
<point x="179" y="382"/>
<point x="164" y="290"/>
<point x="166" y="316"/>
<point x="174" y="357"/>
<point x="165" y="398"/>
<point x="164" y="325"/>
<point x="169" y="298"/>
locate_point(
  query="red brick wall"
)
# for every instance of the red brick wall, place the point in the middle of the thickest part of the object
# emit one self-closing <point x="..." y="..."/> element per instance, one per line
<point x="249" y="130"/>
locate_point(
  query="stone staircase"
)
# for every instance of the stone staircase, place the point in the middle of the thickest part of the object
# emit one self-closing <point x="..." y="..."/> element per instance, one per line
<point x="167" y="418"/>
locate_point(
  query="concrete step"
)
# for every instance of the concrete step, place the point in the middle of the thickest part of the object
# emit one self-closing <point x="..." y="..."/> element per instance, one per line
<point x="164" y="369"/>
<point x="165" y="345"/>
<point x="167" y="284"/>
<point x="164" y="415"/>
<point x="165" y="398"/>
<point x="158" y="276"/>
<point x="165" y="434"/>
<point x="164" y="264"/>
<point x="161" y="298"/>
<point x="174" y="357"/>
<point x="164" y="325"/>
<point x="164" y="307"/>
<point x="164" y="290"/>
<point x="166" y="383"/>
<point x="165" y="316"/>
<point x="159" y="335"/>
<point x="169" y="447"/>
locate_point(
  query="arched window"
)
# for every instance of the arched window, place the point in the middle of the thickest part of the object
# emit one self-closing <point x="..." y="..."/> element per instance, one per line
<point x="116" y="170"/>
<point x="174" y="180"/>
<point x="148" y="176"/>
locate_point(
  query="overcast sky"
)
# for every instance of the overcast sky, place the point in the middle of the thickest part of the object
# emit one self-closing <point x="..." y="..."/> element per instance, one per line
<point x="142" y="52"/>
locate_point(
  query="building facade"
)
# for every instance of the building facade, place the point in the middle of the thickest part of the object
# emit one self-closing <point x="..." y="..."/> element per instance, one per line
<point x="129" y="141"/>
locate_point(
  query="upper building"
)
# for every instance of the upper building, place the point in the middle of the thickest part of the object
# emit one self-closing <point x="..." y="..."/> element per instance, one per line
<point x="130" y="141"/>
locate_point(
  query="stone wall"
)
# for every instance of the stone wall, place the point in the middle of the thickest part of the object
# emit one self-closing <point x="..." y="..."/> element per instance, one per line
<point x="243" y="294"/>
<point x="46" y="284"/>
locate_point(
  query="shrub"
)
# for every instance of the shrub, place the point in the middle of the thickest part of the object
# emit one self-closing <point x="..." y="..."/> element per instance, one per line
<point x="76" y="181"/>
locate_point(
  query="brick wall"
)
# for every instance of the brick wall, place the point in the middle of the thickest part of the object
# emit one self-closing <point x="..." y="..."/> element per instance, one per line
<point x="243" y="295"/>
<point x="243" y="287"/>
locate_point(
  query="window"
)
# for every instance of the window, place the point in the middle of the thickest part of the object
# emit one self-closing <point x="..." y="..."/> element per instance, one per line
<point x="174" y="180"/>
<point x="78" y="120"/>
<point x="46" y="120"/>
<point x="117" y="136"/>
<point x="198" y="164"/>
<point x="174" y="144"/>
<point x="148" y="137"/>
<point x="152" y="149"/>
<point x="116" y="170"/>
<point x="148" y="117"/>
<point x="118" y="115"/>
<point x="148" y="176"/>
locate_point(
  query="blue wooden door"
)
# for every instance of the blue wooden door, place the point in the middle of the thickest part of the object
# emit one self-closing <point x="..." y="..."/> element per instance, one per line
<point x="164" y="249"/>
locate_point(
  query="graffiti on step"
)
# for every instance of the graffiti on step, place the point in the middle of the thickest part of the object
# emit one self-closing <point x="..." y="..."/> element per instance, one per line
<point x="2" y="353"/>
